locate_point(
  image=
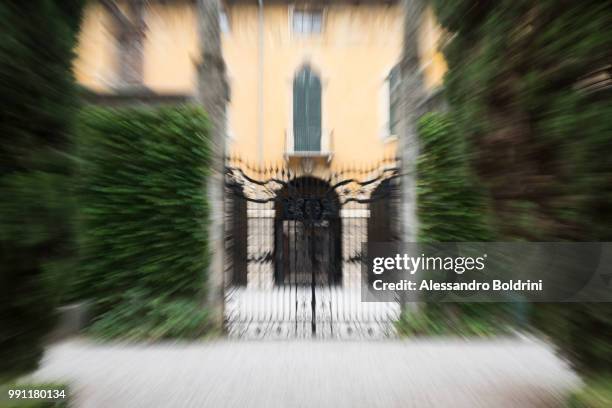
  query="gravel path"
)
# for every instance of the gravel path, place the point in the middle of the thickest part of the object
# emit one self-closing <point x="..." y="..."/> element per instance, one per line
<point x="270" y="374"/>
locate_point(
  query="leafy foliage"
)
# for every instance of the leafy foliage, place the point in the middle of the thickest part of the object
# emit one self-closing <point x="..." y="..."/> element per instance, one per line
<point x="526" y="89"/>
<point x="450" y="206"/>
<point x="143" y="212"/>
<point x="597" y="393"/>
<point x="465" y="320"/>
<point x="529" y="88"/>
<point x="145" y="315"/>
<point x="37" y="109"/>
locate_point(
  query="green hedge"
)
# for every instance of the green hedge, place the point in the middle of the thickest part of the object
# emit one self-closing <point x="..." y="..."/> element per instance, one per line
<point x="596" y="393"/>
<point x="37" y="110"/>
<point x="581" y="331"/>
<point x="143" y="219"/>
<point x="526" y="87"/>
<point x="450" y="208"/>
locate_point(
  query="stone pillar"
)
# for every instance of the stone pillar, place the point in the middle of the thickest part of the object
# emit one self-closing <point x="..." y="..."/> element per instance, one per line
<point x="213" y="95"/>
<point x="412" y="95"/>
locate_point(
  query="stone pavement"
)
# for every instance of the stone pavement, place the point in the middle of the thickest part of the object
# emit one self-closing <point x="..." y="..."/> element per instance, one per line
<point x="392" y="373"/>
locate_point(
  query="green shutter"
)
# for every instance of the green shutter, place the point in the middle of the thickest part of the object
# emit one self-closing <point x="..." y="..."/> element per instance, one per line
<point x="307" y="111"/>
<point x="394" y="87"/>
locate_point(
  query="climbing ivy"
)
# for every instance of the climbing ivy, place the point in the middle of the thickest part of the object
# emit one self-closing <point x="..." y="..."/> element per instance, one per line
<point x="450" y="206"/>
<point x="529" y="90"/>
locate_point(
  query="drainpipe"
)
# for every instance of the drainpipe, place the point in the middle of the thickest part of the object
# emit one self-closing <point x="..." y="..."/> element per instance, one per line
<point x="260" y="88"/>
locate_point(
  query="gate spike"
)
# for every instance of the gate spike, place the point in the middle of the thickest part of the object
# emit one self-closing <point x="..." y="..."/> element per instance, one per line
<point x="335" y="175"/>
<point x="279" y="168"/>
<point x="249" y="166"/>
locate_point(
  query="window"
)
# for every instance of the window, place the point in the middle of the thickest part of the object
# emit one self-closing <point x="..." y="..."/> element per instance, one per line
<point x="228" y="123"/>
<point x="307" y="21"/>
<point x="306" y="111"/>
<point x="393" y="82"/>
<point x="223" y="22"/>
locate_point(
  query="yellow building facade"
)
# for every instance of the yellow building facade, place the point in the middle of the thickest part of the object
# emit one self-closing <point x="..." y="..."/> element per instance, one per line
<point x="347" y="50"/>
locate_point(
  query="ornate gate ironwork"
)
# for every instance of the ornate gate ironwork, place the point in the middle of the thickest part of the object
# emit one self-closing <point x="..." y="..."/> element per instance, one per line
<point x="294" y="250"/>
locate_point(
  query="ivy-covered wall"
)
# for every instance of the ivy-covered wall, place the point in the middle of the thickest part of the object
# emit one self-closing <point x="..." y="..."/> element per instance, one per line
<point x="525" y="86"/>
<point x="450" y="206"/>
<point x="529" y="89"/>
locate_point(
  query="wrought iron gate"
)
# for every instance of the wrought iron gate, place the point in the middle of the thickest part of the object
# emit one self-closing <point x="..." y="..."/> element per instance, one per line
<point x="294" y="250"/>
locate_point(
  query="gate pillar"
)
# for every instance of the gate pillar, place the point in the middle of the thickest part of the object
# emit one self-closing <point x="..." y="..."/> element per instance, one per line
<point x="213" y="95"/>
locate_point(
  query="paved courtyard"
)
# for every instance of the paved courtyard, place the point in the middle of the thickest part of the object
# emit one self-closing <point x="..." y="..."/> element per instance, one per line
<point x="269" y="374"/>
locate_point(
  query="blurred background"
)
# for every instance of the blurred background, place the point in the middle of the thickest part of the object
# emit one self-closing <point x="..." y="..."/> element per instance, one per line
<point x="181" y="171"/>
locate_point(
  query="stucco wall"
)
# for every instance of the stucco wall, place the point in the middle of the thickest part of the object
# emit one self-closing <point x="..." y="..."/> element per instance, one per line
<point x="432" y="61"/>
<point x="353" y="55"/>
<point x="96" y="64"/>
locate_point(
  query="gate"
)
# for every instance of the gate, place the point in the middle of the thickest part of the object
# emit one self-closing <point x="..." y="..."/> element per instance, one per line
<point x="294" y="250"/>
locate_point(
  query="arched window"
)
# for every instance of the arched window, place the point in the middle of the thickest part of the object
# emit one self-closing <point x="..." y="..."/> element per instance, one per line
<point x="307" y="111"/>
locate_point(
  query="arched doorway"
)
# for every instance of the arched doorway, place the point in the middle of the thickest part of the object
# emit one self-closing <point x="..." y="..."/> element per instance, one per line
<point x="308" y="234"/>
<point x="306" y="111"/>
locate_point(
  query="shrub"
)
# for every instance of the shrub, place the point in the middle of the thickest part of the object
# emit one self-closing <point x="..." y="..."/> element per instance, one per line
<point x="143" y="216"/>
<point x="465" y="320"/>
<point x="597" y="393"/>
<point x="451" y="208"/>
<point x="37" y="109"/>
<point x="581" y="331"/>
<point x="142" y="315"/>
<point x="449" y="205"/>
